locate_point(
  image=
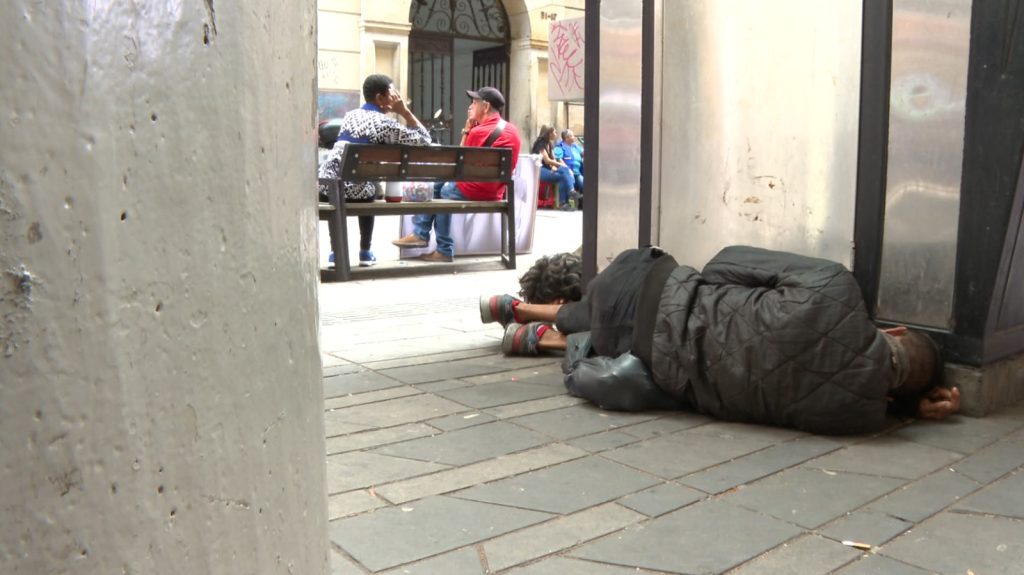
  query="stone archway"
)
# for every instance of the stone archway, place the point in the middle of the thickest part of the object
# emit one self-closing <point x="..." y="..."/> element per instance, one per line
<point x="455" y="45"/>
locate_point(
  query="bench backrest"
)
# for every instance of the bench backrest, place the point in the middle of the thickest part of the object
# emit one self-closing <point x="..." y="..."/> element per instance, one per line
<point x="391" y="162"/>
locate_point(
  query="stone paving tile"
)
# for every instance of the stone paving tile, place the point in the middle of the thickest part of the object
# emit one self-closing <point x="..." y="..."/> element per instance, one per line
<point x="367" y="353"/>
<point x="960" y="433"/>
<point x="887" y="456"/>
<point x="563" y="488"/>
<point x="341" y="565"/>
<point x="447" y="370"/>
<point x="733" y="430"/>
<point x="548" y="377"/>
<point x="956" y="542"/>
<point x="352" y="503"/>
<point x="805" y="555"/>
<point x="377" y="437"/>
<point x="358" y="382"/>
<point x="759" y="464"/>
<point x="389" y="537"/>
<point x="460" y="340"/>
<point x="464" y="561"/>
<point x="579" y="420"/>
<point x="866" y="526"/>
<point x="682" y="453"/>
<point x="444" y="385"/>
<point x="568" y="566"/>
<point x="478" y="473"/>
<point x="377" y="332"/>
<point x="878" y="565"/>
<point x="666" y="424"/>
<point x="995" y="460"/>
<point x="396" y="411"/>
<point x="811" y="497"/>
<point x="462" y="420"/>
<point x="336" y="366"/>
<point x="465" y="446"/>
<point x="708" y="537"/>
<point x="494" y="394"/>
<point x="557" y="535"/>
<point x="534" y="406"/>
<point x="1004" y="497"/>
<point x="538" y="366"/>
<point x="336" y="403"/>
<point x="925" y="497"/>
<point x="661" y="499"/>
<point x="599" y="442"/>
<point x="356" y="470"/>
<point x="428" y="359"/>
<point x="333" y="427"/>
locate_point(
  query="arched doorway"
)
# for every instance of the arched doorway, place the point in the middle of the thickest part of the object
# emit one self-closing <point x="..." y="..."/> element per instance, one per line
<point x="455" y="45"/>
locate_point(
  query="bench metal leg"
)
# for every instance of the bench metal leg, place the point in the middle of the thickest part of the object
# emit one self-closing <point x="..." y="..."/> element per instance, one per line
<point x="509" y="230"/>
<point x="337" y="226"/>
<point x="339" y="243"/>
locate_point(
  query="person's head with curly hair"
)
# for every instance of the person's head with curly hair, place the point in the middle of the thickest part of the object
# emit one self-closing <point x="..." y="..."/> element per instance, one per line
<point x="553" y="279"/>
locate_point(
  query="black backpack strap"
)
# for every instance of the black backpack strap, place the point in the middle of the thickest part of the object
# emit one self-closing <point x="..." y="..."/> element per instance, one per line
<point x="494" y="134"/>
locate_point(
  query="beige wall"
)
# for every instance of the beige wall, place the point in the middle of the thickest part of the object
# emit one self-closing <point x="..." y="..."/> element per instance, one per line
<point x="338" y="45"/>
<point x="161" y="401"/>
<point x="352" y="33"/>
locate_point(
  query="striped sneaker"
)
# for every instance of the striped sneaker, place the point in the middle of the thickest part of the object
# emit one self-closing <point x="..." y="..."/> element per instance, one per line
<point x="498" y="308"/>
<point x="522" y="339"/>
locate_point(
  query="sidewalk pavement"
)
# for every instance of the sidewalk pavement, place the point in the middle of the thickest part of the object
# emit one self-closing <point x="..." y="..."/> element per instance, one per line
<point x="445" y="457"/>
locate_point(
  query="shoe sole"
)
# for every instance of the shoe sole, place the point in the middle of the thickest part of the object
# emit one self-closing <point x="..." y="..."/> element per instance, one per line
<point x="508" y="341"/>
<point x="485" y="309"/>
<point x="367" y="264"/>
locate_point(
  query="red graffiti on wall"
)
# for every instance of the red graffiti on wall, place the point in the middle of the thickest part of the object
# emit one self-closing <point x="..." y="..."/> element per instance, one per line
<point x="566" y="47"/>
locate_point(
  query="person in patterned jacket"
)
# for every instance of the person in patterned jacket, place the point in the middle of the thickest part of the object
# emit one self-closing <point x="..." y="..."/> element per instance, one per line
<point x="371" y="125"/>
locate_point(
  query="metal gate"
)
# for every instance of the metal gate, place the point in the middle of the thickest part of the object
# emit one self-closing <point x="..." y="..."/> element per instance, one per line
<point x="436" y="26"/>
<point x="490" y="68"/>
<point x="430" y="71"/>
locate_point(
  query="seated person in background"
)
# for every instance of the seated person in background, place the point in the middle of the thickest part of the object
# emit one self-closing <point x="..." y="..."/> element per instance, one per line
<point x="370" y="125"/>
<point x="571" y="152"/>
<point x="484" y="128"/>
<point x="552" y="170"/>
<point x="759" y="336"/>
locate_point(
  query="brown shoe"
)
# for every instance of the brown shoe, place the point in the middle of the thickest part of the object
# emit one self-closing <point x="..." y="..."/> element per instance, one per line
<point x="410" y="241"/>
<point x="437" y="257"/>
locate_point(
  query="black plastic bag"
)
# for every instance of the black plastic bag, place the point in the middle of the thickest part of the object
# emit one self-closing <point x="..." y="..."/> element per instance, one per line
<point x="620" y="384"/>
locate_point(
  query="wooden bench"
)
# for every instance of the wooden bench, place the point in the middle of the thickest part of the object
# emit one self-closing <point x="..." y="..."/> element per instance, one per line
<point x="395" y="163"/>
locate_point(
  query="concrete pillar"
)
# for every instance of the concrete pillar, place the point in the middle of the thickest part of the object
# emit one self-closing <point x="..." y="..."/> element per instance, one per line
<point x="160" y="393"/>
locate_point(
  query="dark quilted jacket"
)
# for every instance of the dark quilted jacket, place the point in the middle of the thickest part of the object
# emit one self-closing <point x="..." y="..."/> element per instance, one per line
<point x="774" y="338"/>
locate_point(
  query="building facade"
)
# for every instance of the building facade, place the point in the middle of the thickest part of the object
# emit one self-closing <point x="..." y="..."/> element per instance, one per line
<point x="436" y="50"/>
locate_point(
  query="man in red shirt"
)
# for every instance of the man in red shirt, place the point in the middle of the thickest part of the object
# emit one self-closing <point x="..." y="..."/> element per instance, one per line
<point x="484" y="123"/>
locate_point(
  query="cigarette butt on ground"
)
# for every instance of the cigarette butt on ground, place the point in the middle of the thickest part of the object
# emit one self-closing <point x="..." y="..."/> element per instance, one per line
<point x="858" y="545"/>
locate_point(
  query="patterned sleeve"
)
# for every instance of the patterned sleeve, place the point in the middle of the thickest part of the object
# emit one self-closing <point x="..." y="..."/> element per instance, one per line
<point x="392" y="131"/>
<point x="331" y="166"/>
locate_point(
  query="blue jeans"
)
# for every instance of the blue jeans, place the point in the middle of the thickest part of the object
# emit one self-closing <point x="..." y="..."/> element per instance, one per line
<point x="441" y="223"/>
<point x="578" y="178"/>
<point x="563" y="177"/>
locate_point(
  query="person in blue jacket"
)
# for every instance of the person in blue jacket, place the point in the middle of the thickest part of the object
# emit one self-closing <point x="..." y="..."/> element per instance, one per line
<point x="570" y="151"/>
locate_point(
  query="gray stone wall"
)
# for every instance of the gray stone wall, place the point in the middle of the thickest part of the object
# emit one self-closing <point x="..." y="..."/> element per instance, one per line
<point x="160" y="393"/>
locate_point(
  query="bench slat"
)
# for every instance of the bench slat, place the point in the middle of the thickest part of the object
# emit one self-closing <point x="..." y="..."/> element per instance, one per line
<point x="395" y="163"/>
